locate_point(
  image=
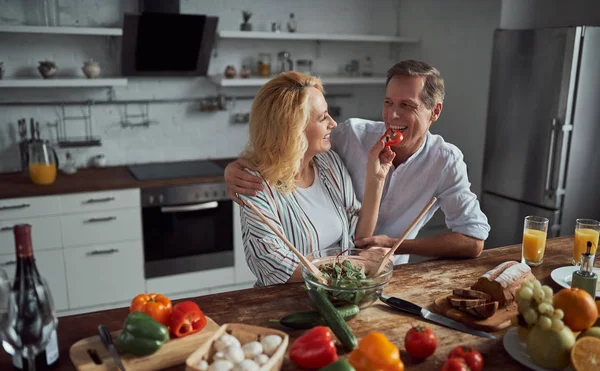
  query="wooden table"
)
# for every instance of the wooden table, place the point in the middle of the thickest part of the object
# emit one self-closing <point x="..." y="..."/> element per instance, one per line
<point x="420" y="283"/>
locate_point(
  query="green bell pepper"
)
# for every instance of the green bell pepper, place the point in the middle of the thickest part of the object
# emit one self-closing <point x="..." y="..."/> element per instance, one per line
<point x="141" y="335"/>
<point x="339" y="365"/>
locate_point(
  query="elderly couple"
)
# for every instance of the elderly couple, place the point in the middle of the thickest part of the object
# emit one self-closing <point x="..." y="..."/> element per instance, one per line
<point x="323" y="184"/>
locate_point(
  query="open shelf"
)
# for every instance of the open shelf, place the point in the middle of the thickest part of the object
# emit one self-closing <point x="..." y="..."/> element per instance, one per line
<point x="327" y="80"/>
<point x="314" y="37"/>
<point x="62" y="83"/>
<point x="99" y="31"/>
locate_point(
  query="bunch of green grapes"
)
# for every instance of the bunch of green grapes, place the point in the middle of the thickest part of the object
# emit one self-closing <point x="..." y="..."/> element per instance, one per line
<point x="535" y="306"/>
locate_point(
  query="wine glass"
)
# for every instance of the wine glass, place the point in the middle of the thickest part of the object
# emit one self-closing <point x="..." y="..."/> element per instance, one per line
<point x="29" y="318"/>
<point x="4" y="300"/>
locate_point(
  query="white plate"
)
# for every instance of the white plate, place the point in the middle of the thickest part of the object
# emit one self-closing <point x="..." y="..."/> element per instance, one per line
<point x="564" y="275"/>
<point x="517" y="349"/>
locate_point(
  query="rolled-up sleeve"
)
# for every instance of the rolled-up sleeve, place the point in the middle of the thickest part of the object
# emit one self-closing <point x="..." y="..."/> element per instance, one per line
<point x="269" y="259"/>
<point x="459" y="203"/>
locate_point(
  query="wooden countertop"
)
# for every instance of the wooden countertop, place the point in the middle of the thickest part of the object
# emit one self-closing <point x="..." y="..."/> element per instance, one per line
<point x="420" y="283"/>
<point x="15" y="185"/>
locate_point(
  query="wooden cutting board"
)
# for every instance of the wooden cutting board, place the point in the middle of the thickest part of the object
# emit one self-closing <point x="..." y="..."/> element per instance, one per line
<point x="170" y="354"/>
<point x="499" y="321"/>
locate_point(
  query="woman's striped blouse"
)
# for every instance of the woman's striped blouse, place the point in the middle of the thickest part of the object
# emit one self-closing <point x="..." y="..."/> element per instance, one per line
<point x="271" y="261"/>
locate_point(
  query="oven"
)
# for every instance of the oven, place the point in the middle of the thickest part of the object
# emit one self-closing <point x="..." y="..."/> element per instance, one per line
<point x="187" y="228"/>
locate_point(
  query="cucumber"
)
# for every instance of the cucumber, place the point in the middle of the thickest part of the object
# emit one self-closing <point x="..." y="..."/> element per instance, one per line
<point x="333" y="319"/>
<point x="306" y="320"/>
<point x="339" y="365"/>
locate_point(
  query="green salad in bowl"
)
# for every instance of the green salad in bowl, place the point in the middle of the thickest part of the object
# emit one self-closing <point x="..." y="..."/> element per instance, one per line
<point x="346" y="272"/>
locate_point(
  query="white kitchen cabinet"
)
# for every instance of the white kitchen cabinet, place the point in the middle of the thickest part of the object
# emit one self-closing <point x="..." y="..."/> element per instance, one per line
<point x="27" y="207"/>
<point x="45" y="233"/>
<point x="103" y="274"/>
<point x="99" y="201"/>
<point x="51" y="267"/>
<point x="100" y="227"/>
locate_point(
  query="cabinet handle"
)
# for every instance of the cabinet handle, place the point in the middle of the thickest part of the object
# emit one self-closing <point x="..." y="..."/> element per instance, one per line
<point x="14" y="207"/>
<point x="8" y="263"/>
<point x="6" y="229"/>
<point x="97" y="220"/>
<point x="102" y="252"/>
<point x="96" y="200"/>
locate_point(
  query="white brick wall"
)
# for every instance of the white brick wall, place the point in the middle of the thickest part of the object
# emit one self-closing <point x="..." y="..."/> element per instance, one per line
<point x="182" y="132"/>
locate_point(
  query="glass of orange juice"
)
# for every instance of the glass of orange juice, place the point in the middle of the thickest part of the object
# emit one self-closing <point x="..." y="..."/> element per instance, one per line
<point x="585" y="230"/>
<point x="535" y="230"/>
<point x="42" y="163"/>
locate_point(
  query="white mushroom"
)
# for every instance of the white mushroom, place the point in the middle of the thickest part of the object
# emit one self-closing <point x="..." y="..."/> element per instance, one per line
<point x="234" y="354"/>
<point x="222" y="342"/>
<point x="203" y="365"/>
<point x="221" y="365"/>
<point x="270" y="344"/>
<point x="247" y="365"/>
<point x="261" y="359"/>
<point x="252" y="349"/>
<point x="218" y="356"/>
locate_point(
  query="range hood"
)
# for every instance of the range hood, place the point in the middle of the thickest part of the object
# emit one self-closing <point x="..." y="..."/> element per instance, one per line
<point x="160" y="41"/>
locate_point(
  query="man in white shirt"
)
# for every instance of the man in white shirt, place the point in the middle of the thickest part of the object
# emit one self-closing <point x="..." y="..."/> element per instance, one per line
<point x="425" y="166"/>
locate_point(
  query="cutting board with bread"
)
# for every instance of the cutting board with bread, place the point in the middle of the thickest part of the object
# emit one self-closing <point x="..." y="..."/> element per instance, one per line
<point x="490" y="302"/>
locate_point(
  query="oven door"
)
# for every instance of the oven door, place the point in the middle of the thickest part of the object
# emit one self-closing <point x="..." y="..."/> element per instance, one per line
<point x="187" y="238"/>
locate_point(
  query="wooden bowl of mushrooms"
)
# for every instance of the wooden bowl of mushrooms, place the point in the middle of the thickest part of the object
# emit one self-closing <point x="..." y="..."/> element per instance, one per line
<point x="239" y="347"/>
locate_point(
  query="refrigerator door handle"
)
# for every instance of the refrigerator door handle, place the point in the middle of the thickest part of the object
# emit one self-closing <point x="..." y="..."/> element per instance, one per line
<point x="550" y="162"/>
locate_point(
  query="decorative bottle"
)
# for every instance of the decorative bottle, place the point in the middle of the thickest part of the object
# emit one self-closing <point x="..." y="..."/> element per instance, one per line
<point x="585" y="278"/>
<point x="26" y="284"/>
<point x="291" y="24"/>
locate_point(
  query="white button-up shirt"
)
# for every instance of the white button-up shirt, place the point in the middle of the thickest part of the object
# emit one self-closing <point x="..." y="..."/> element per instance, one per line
<point x="436" y="169"/>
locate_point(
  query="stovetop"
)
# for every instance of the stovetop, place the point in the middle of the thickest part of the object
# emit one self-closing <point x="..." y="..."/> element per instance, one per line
<point x="172" y="170"/>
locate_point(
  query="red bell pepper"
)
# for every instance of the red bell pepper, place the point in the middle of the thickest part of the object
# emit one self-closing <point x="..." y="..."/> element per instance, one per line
<point x="314" y="349"/>
<point x="392" y="137"/>
<point x="186" y="319"/>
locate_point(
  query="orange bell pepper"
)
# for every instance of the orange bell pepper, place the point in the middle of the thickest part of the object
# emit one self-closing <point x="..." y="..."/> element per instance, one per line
<point x="157" y="306"/>
<point x="376" y="353"/>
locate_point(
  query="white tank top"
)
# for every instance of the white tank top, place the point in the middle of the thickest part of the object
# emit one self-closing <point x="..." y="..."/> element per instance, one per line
<point x="321" y="212"/>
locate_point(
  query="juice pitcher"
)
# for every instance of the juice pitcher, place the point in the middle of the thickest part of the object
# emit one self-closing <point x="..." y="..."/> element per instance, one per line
<point x="43" y="162"/>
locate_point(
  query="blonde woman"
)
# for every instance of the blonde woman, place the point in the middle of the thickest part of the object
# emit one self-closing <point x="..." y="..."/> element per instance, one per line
<point x="308" y="193"/>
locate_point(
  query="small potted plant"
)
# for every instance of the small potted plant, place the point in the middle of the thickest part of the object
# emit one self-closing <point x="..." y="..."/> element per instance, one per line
<point x="246" y="26"/>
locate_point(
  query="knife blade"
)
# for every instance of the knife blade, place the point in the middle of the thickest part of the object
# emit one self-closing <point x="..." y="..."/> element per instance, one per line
<point x="411" y="308"/>
<point x="108" y="343"/>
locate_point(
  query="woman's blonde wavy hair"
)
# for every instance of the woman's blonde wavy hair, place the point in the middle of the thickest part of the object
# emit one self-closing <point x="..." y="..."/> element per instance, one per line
<point x="279" y="115"/>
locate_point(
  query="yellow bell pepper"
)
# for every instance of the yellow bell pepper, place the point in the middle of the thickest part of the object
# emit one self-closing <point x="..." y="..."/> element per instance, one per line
<point x="376" y="353"/>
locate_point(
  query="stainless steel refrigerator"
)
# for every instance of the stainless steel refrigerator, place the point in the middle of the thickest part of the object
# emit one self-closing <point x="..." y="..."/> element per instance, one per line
<point x="542" y="153"/>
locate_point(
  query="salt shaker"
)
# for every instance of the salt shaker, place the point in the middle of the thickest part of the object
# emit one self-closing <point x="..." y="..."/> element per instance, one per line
<point x="585" y="278"/>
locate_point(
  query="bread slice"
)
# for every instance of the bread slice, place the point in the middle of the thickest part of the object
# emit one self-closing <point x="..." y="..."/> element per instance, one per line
<point x="502" y="282"/>
<point x="461" y="302"/>
<point x="482" y="311"/>
<point x="473" y="294"/>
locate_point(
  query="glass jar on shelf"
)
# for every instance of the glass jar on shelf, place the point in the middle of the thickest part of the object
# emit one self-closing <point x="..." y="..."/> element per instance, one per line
<point x="264" y="64"/>
<point x="304" y="66"/>
<point x="367" y="67"/>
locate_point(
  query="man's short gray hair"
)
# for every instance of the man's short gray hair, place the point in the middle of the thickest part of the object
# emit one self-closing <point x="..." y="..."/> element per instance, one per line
<point x="433" y="91"/>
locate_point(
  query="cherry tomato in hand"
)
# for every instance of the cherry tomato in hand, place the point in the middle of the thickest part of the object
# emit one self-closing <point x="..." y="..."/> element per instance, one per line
<point x="455" y="364"/>
<point x="420" y="342"/>
<point x="472" y="357"/>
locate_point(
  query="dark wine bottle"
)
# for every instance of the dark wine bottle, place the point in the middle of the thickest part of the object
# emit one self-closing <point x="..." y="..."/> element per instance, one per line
<point x="34" y="310"/>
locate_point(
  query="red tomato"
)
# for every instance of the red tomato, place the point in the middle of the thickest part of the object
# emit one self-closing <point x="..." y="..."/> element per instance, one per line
<point x="455" y="364"/>
<point x="420" y="342"/>
<point x="471" y="356"/>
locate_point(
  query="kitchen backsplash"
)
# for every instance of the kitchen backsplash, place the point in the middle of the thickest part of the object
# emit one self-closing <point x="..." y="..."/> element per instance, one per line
<point x="180" y="131"/>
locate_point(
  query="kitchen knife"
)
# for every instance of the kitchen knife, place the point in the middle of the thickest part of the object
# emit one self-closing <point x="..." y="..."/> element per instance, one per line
<point x="409" y="307"/>
<point x="108" y="343"/>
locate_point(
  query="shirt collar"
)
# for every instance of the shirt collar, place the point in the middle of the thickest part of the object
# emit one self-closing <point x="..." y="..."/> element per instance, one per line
<point x="419" y="150"/>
